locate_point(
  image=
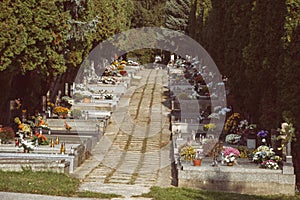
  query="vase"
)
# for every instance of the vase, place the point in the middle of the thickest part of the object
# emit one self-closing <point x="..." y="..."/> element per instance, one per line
<point x="26" y="150"/>
<point x="197" y="162"/>
<point x="230" y="164"/>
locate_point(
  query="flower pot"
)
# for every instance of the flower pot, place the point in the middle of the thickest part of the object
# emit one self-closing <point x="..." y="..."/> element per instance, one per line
<point x="26" y="150"/>
<point x="230" y="164"/>
<point x="197" y="162"/>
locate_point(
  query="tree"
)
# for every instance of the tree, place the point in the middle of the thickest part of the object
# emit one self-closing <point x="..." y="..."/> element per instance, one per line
<point x="178" y="14"/>
<point x="42" y="40"/>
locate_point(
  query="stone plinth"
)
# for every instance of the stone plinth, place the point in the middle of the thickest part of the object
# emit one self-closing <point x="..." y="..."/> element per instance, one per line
<point x="76" y="124"/>
<point x="20" y="164"/>
<point x="244" y="178"/>
<point x="46" y="153"/>
<point x="87" y="141"/>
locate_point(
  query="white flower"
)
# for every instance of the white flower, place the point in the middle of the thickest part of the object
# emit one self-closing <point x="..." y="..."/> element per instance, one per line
<point x="229" y="158"/>
<point x="27" y="145"/>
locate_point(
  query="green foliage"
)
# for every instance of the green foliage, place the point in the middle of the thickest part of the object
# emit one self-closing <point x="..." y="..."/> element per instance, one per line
<point x="148" y="13"/>
<point x="178" y="14"/>
<point x="32" y="36"/>
<point x="42" y="43"/>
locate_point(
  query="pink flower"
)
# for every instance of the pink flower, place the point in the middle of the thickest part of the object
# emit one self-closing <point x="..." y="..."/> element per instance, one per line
<point x="231" y="150"/>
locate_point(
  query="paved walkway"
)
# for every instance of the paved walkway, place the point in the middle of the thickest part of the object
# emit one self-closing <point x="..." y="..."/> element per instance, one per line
<point x="133" y="155"/>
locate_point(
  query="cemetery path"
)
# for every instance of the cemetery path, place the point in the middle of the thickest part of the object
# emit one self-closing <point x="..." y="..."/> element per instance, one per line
<point x="133" y="154"/>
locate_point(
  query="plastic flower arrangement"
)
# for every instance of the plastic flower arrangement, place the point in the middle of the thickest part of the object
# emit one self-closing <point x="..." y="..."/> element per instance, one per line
<point x="230" y="154"/>
<point x="187" y="152"/>
<point x="269" y="164"/>
<point x="232" y="139"/>
<point x="263" y="153"/>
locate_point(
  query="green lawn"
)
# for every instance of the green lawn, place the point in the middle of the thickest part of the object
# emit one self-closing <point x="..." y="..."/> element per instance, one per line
<point x="158" y="193"/>
<point x="49" y="183"/>
<point x="63" y="185"/>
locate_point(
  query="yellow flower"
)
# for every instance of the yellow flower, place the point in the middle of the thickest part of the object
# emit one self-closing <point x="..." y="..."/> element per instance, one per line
<point x="209" y="126"/>
<point x="17" y="120"/>
<point x="60" y="110"/>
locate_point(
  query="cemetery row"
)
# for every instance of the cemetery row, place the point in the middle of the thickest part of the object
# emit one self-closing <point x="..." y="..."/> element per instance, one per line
<point x="240" y="157"/>
<point x="64" y="134"/>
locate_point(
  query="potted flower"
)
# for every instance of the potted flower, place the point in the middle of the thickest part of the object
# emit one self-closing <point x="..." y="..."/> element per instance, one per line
<point x="61" y="111"/>
<point x="197" y="159"/>
<point x="230" y="154"/>
<point x="187" y="152"/>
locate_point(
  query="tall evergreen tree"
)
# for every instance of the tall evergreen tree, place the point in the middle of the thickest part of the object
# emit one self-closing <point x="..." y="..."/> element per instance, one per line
<point x="178" y="14"/>
<point x="263" y="56"/>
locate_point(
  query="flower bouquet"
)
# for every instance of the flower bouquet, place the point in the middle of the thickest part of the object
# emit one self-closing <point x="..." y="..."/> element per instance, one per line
<point x="232" y="123"/>
<point x="40" y="139"/>
<point x="230" y="154"/>
<point x="263" y="153"/>
<point x="24" y="128"/>
<point x="61" y="111"/>
<point x="41" y="124"/>
<point x="232" y="139"/>
<point x="269" y="164"/>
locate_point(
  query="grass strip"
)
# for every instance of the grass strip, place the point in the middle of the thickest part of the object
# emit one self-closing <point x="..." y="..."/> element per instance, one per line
<point x="47" y="183"/>
<point x="171" y="193"/>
